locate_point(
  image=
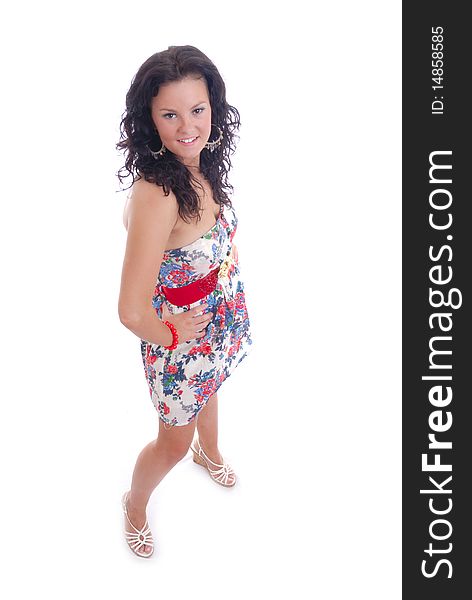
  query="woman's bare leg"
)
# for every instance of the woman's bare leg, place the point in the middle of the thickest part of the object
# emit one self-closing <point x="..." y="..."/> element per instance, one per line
<point x="207" y="427"/>
<point x="153" y="463"/>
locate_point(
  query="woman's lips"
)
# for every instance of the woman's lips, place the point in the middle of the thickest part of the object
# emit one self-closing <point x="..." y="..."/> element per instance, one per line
<point x="188" y="143"/>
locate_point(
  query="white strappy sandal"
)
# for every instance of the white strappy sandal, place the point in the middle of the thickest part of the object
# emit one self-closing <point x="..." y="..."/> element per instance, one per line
<point x="138" y="538"/>
<point x="223" y="474"/>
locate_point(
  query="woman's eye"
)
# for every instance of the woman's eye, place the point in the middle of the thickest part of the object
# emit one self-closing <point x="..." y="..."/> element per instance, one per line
<point x="198" y="113"/>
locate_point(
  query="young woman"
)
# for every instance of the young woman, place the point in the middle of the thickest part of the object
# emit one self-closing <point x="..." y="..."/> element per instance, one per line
<point x="181" y="291"/>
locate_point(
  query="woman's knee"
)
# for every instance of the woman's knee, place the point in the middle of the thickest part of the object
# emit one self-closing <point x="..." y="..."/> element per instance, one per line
<point x="176" y="451"/>
<point x="175" y="442"/>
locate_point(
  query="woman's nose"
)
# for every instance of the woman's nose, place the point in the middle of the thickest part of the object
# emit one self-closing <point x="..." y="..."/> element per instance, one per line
<point x="185" y="125"/>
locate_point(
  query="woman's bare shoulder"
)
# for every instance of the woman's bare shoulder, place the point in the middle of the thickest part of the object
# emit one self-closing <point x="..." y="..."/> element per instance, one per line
<point x="149" y="198"/>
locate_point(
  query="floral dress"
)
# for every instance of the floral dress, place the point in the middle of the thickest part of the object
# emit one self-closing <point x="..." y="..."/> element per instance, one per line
<point x="182" y="380"/>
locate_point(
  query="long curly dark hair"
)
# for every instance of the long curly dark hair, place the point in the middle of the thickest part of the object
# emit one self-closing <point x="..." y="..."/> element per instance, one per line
<point x="138" y="133"/>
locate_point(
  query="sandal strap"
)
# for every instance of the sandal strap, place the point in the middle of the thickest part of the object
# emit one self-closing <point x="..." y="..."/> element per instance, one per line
<point x="201" y="453"/>
<point x="145" y="531"/>
<point x="222" y="473"/>
<point x="135" y="540"/>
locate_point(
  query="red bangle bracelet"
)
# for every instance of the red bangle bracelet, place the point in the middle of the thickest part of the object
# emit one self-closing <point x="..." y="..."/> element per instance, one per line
<point x="175" y="336"/>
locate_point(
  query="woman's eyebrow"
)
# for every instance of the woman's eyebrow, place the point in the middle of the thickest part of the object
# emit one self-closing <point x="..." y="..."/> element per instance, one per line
<point x="172" y="110"/>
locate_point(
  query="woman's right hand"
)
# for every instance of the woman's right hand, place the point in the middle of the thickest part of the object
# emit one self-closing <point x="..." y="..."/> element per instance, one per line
<point x="190" y="324"/>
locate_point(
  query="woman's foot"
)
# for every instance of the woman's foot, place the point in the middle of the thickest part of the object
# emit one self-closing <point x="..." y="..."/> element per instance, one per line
<point x="214" y="455"/>
<point x="138" y="519"/>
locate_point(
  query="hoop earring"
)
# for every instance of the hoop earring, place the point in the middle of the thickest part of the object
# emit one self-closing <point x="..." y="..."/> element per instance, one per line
<point x="213" y="145"/>
<point x="157" y="153"/>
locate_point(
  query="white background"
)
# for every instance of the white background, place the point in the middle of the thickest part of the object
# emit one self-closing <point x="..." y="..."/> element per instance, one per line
<point x="311" y="421"/>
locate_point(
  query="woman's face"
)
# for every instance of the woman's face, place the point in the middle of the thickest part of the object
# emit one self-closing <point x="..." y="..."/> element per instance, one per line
<point x="181" y="110"/>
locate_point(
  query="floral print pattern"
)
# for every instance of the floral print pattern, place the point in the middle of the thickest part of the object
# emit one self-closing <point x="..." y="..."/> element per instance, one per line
<point x="182" y="380"/>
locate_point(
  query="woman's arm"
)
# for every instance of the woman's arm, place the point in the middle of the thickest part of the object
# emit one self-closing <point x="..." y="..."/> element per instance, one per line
<point x="151" y="217"/>
<point x="125" y="211"/>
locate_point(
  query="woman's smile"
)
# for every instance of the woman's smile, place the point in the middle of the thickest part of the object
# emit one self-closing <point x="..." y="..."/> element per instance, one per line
<point x="188" y="141"/>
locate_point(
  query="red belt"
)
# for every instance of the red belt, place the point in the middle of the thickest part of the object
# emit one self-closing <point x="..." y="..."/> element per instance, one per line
<point x="187" y="294"/>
